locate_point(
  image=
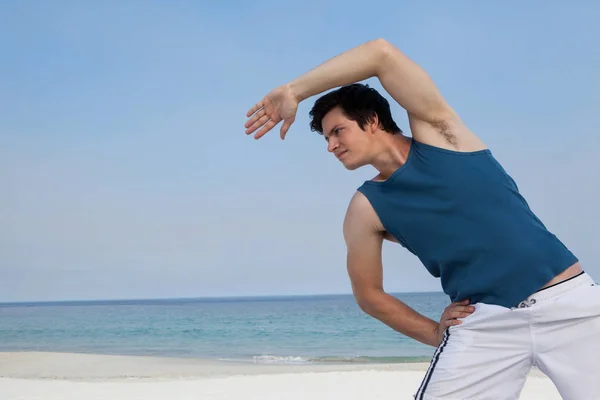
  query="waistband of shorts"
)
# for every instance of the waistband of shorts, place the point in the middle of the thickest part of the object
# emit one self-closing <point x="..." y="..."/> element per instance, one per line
<point x="560" y="288"/>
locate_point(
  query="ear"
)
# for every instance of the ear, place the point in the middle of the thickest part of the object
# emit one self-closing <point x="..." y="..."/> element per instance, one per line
<point x="373" y="123"/>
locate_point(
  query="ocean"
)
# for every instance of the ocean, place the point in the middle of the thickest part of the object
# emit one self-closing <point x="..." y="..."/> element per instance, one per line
<point x="289" y="330"/>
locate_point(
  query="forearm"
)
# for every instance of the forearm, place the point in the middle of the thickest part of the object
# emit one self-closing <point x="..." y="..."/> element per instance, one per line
<point x="401" y="77"/>
<point x="401" y="318"/>
<point x="357" y="64"/>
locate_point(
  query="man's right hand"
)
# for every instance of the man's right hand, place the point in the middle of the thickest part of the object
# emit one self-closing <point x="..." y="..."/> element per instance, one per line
<point x="450" y="317"/>
<point x="280" y="104"/>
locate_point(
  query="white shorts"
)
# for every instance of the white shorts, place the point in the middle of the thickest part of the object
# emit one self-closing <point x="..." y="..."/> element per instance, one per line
<point x="489" y="355"/>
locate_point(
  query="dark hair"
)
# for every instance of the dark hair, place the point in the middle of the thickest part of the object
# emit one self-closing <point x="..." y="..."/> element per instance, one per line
<point x="359" y="103"/>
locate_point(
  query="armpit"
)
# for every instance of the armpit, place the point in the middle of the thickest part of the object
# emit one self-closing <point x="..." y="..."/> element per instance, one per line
<point x="444" y="129"/>
<point x="390" y="237"/>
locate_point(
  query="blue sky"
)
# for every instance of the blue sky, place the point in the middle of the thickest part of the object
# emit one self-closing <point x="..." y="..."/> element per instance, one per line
<point x="125" y="171"/>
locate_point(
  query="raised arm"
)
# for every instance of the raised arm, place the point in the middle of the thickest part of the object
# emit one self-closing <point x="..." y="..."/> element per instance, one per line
<point x="431" y="118"/>
<point x="404" y="80"/>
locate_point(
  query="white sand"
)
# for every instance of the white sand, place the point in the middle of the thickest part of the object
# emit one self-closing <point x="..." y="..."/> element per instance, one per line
<point x="54" y="376"/>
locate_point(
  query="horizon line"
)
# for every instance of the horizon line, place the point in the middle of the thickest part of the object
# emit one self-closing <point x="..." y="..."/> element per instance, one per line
<point x="209" y="298"/>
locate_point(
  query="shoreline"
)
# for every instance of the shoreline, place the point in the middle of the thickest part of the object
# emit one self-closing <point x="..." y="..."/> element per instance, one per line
<point x="94" y="367"/>
<point x="268" y="359"/>
<point x="102" y="367"/>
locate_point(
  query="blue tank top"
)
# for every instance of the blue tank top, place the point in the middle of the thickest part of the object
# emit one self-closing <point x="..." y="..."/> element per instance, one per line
<point x="462" y="215"/>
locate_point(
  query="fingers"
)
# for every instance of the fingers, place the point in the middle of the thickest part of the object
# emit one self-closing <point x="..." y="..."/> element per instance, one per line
<point x="265" y="129"/>
<point x="449" y="322"/>
<point x="256" y="107"/>
<point x="252" y="121"/>
<point x="262" y="119"/>
<point x="455" y="311"/>
<point x="459" y="311"/>
<point x="452" y="319"/>
<point x="284" y="128"/>
<point x="459" y="314"/>
<point x="459" y="304"/>
<point x="467" y="309"/>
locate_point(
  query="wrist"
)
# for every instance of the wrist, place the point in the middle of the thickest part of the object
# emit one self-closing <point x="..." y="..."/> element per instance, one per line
<point x="295" y="88"/>
<point x="435" y="335"/>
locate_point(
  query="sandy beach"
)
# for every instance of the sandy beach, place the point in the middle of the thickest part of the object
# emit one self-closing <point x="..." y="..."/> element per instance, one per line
<point x="54" y="376"/>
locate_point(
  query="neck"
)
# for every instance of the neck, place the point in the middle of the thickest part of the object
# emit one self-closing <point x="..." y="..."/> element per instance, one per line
<point x="393" y="154"/>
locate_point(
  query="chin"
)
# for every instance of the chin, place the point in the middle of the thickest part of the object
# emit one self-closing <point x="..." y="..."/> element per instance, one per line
<point x="351" y="166"/>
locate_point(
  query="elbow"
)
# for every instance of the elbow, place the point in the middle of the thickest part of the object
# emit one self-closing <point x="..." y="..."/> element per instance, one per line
<point x="384" y="51"/>
<point x="369" y="301"/>
<point x="381" y="44"/>
<point x="382" y="47"/>
<point x="366" y="307"/>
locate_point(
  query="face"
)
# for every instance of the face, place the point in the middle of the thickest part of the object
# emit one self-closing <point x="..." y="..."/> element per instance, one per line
<point x="345" y="139"/>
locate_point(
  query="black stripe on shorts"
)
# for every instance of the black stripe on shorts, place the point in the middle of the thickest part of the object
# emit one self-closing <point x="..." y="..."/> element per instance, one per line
<point x="436" y="357"/>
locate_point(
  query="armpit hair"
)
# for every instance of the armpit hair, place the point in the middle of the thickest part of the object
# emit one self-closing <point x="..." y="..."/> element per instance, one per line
<point x="444" y="129"/>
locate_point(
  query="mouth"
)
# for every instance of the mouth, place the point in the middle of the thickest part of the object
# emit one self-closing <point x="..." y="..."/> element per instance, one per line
<point x="340" y="155"/>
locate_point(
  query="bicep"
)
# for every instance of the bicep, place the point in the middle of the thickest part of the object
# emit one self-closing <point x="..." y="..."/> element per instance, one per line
<point x="364" y="265"/>
<point x="432" y="120"/>
<point x="410" y="85"/>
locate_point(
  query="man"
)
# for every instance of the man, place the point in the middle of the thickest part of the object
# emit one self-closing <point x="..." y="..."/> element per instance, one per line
<point x="519" y="297"/>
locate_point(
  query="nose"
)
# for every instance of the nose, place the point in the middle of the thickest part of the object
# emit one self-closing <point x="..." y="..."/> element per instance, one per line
<point x="332" y="144"/>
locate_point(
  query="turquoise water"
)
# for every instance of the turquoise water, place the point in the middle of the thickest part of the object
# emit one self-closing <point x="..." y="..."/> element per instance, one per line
<point x="310" y="329"/>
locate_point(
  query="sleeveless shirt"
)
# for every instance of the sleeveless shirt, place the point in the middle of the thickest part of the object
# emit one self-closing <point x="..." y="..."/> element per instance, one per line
<point x="462" y="215"/>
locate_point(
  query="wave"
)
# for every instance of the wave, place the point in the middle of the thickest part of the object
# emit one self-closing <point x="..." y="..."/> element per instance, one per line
<point x="275" y="359"/>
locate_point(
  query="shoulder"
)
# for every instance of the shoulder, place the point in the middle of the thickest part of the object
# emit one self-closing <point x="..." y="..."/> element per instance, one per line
<point x="359" y="205"/>
<point x="360" y="217"/>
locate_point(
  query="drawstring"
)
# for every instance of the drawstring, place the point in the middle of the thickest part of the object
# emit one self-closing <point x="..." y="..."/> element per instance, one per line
<point x="527" y="303"/>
